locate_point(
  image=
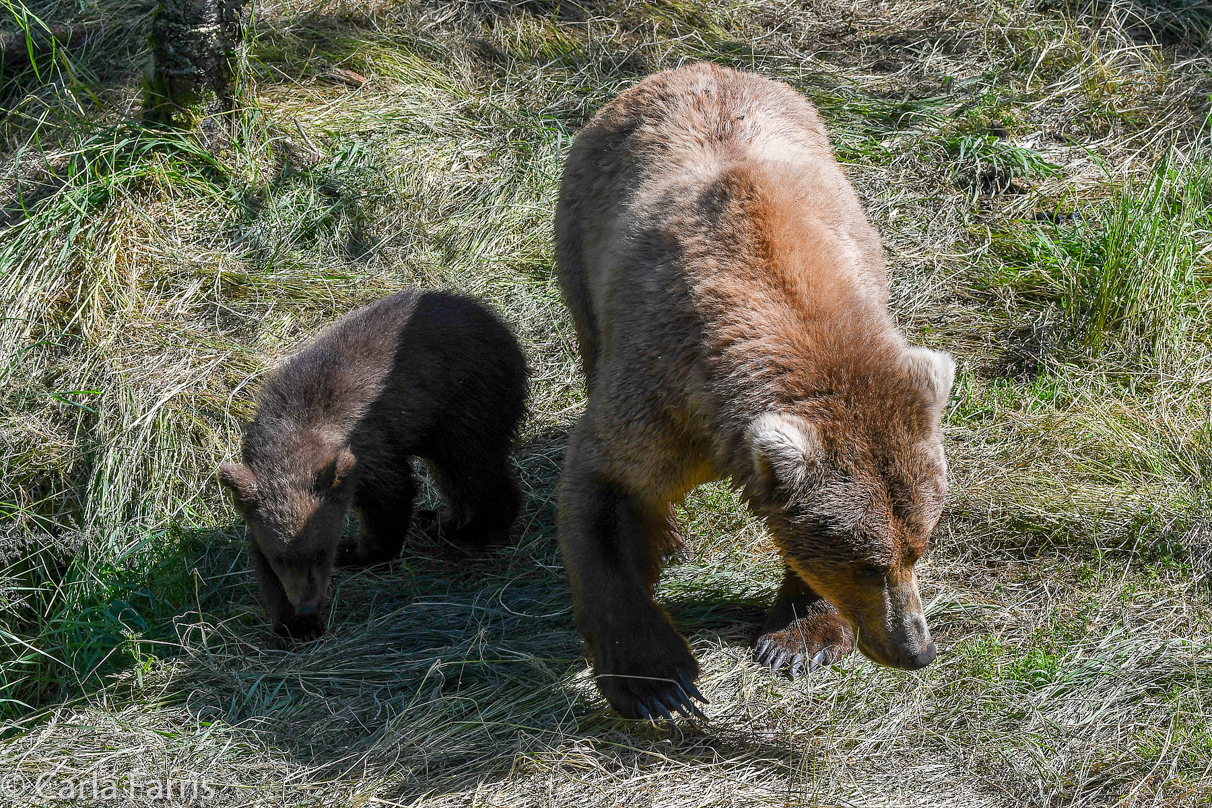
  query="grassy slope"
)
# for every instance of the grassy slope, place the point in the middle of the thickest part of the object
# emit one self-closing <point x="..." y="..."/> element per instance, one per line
<point x="147" y="285"/>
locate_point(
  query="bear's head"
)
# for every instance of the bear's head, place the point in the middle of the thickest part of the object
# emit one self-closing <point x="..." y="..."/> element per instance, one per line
<point x="295" y="512"/>
<point x="852" y="490"/>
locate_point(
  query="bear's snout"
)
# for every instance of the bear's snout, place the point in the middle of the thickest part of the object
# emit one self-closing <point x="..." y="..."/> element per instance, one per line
<point x="899" y="638"/>
<point x="905" y="655"/>
<point x="309" y="599"/>
<point x="913" y="660"/>
<point x="304" y="588"/>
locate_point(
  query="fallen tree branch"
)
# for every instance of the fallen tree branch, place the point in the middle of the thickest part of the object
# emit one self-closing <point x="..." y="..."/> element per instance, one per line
<point x="20" y="50"/>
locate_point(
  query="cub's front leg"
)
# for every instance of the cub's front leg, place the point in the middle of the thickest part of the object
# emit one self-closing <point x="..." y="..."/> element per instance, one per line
<point x="385" y="502"/>
<point x="286" y="622"/>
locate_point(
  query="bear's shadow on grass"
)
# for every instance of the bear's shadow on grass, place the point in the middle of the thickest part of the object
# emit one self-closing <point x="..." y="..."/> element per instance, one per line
<point x="438" y="672"/>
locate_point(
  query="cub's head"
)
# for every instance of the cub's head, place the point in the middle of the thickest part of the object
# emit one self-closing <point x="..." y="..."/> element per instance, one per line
<point x="852" y="497"/>
<point x="296" y="517"/>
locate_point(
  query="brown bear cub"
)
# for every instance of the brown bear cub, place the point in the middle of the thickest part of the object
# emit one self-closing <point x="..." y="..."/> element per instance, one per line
<point x="730" y="300"/>
<point x="418" y="373"/>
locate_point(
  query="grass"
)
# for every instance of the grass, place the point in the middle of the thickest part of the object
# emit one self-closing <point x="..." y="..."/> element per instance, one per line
<point x="149" y="278"/>
<point x="1131" y="271"/>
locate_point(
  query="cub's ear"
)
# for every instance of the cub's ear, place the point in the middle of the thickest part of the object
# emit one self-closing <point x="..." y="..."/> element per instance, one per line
<point x="786" y="451"/>
<point x="934" y="371"/>
<point x="240" y="481"/>
<point x="338" y="472"/>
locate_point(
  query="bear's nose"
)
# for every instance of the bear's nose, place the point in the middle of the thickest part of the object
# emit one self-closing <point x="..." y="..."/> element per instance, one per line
<point x="310" y="608"/>
<point x="919" y="659"/>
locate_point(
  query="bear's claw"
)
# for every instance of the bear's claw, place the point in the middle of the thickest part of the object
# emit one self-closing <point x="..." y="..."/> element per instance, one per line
<point x="769" y="652"/>
<point x="796" y="661"/>
<point x="679" y="698"/>
<point x="690" y="689"/>
<point x="803" y="633"/>
<point x="646" y="671"/>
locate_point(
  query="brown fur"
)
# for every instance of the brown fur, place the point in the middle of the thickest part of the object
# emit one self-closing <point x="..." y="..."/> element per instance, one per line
<point x="730" y="300"/>
<point x="427" y="374"/>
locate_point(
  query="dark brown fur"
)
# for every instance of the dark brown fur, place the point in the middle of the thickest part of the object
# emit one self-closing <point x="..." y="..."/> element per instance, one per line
<point x="730" y="300"/>
<point x="427" y="374"/>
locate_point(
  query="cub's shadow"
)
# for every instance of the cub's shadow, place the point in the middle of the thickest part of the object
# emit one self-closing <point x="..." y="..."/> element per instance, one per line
<point x="437" y="671"/>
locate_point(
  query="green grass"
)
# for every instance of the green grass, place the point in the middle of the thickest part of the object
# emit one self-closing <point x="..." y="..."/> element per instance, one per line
<point x="1131" y="272"/>
<point x="72" y="627"/>
<point x="149" y="278"/>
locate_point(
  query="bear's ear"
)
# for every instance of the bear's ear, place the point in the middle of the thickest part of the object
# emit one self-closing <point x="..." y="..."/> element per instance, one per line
<point x="786" y="451"/>
<point x="339" y="470"/>
<point x="934" y="371"/>
<point x="240" y="481"/>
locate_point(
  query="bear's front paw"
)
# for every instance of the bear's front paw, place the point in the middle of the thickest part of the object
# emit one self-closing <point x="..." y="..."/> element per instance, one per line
<point x="652" y="681"/>
<point x="300" y="627"/>
<point x="821" y="638"/>
<point x="351" y="556"/>
<point x="474" y="536"/>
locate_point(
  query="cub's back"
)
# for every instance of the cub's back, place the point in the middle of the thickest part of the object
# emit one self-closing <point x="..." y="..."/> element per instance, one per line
<point x="400" y="367"/>
<point x="329" y="385"/>
<point x="458" y="370"/>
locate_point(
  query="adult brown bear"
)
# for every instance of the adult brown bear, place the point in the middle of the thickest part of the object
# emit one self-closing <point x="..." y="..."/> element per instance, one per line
<point x="417" y="373"/>
<point x="730" y="300"/>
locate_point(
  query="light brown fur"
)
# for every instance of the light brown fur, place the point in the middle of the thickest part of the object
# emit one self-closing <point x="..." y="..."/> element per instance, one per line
<point x="730" y="300"/>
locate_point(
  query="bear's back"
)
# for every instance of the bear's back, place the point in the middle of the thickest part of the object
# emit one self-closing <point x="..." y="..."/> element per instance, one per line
<point x="328" y="385"/>
<point x="647" y="178"/>
<point x="681" y="128"/>
<point x="396" y="370"/>
<point x="702" y="117"/>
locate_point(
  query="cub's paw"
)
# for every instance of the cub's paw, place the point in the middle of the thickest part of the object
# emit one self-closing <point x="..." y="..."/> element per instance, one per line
<point x="352" y="556"/>
<point x="300" y="628"/>
<point x="478" y="534"/>
<point x="810" y="642"/>
<point x="651" y="683"/>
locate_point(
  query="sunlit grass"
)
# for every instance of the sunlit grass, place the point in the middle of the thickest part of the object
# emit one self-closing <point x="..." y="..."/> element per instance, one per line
<point x="149" y="279"/>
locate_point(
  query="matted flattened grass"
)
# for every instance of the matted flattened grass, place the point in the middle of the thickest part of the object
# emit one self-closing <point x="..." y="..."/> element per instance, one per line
<point x="1040" y="178"/>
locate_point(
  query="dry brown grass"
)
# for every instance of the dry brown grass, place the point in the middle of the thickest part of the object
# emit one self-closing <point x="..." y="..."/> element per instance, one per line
<point x="147" y="285"/>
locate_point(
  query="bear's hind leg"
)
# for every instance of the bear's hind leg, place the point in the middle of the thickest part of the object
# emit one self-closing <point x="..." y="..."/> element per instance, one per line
<point x="483" y="495"/>
<point x="803" y="630"/>
<point x="385" y="502"/>
<point x="612" y="543"/>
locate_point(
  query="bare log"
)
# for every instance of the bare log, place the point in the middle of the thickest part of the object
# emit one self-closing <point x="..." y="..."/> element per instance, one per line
<point x="18" y="50"/>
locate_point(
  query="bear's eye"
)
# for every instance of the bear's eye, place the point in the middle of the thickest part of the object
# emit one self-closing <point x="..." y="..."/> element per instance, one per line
<point x="870" y="572"/>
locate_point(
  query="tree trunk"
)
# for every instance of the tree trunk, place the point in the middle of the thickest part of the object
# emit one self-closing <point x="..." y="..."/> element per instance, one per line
<point x="195" y="46"/>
